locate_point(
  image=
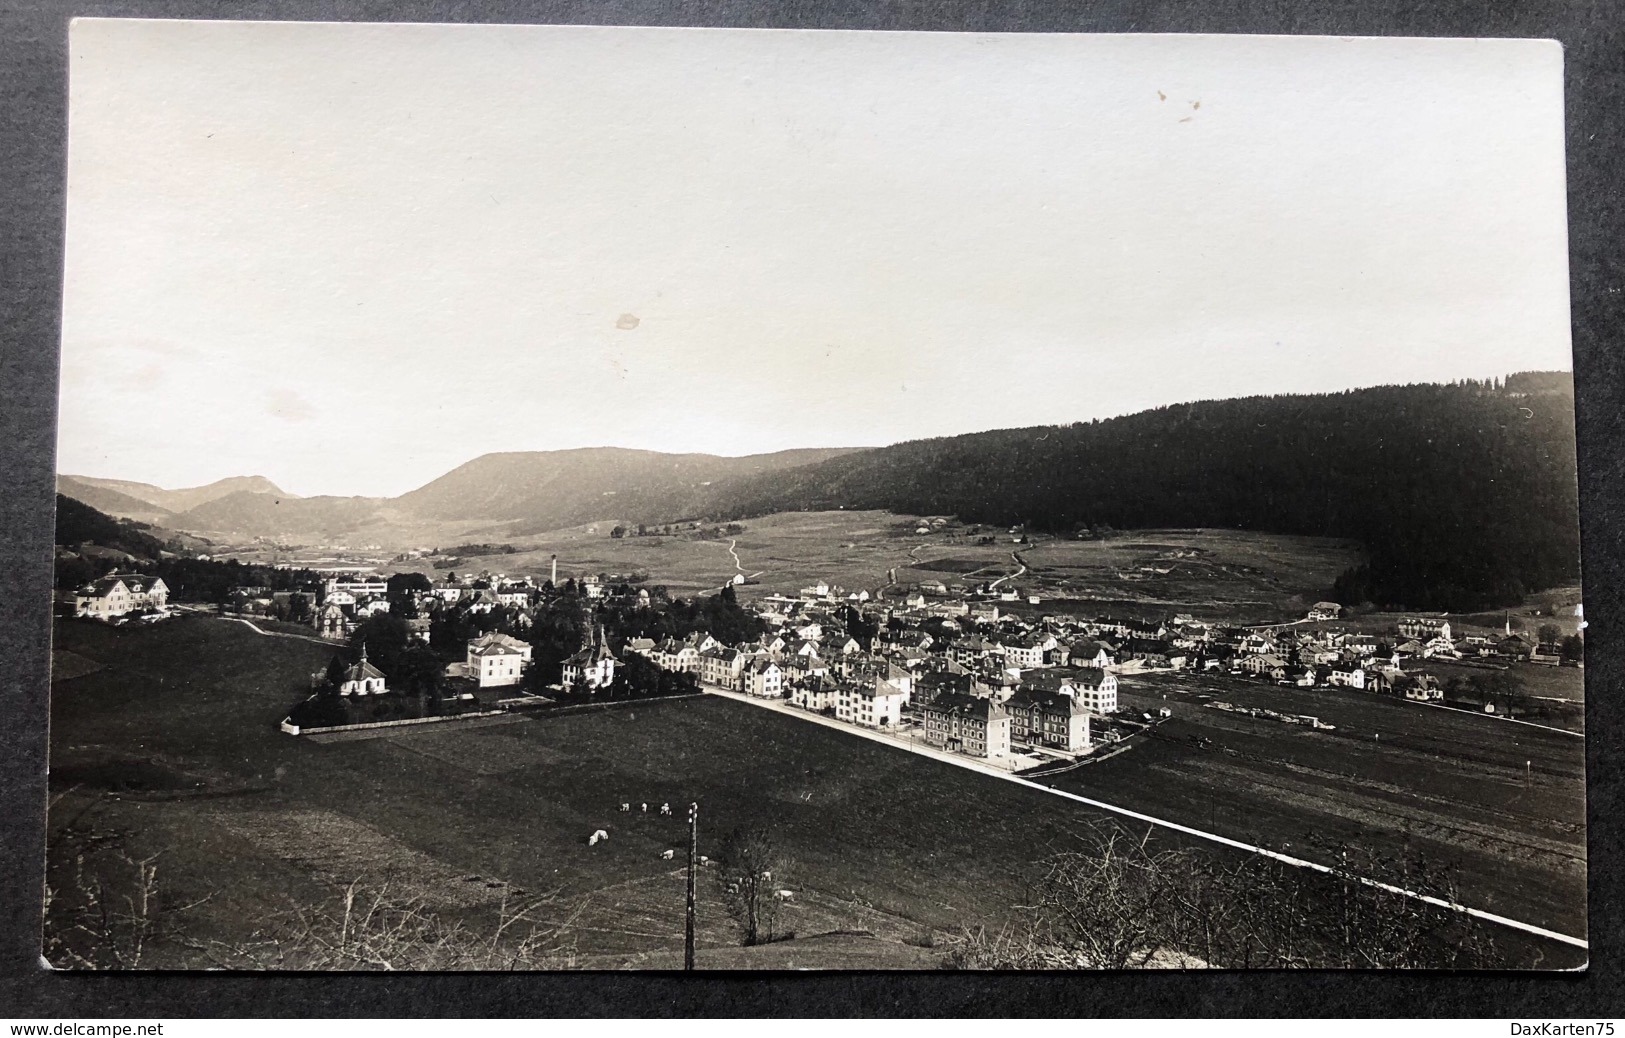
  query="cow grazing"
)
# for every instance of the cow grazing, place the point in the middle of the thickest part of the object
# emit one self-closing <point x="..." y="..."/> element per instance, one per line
<point x="626" y="807"/>
<point x="592" y="841"/>
<point x="668" y="855"/>
<point x="784" y="895"/>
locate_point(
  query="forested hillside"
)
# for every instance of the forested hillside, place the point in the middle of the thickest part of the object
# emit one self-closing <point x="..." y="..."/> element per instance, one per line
<point x="78" y="524"/>
<point x="1465" y="495"/>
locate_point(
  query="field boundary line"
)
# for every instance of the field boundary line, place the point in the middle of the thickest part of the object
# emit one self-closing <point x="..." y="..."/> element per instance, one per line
<point x="1286" y="859"/>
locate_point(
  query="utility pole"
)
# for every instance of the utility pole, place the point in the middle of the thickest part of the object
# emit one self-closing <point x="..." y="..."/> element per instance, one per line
<point x="693" y="864"/>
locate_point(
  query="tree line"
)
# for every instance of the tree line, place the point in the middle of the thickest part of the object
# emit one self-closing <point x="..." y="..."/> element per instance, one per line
<point x="1465" y="496"/>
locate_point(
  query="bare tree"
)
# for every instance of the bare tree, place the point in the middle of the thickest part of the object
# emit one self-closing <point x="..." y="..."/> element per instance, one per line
<point x="101" y="909"/>
<point x="1117" y="901"/>
<point x="106" y="910"/>
<point x="753" y="870"/>
<point x="373" y="928"/>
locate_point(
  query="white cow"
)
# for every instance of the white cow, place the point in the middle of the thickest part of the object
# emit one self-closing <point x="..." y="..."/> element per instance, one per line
<point x="626" y="807"/>
<point x="783" y="895"/>
<point x="665" y="809"/>
<point x="592" y="841"/>
<point x="668" y="855"/>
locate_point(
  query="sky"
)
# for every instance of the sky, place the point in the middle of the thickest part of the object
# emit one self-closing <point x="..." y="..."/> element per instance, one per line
<point x="351" y="257"/>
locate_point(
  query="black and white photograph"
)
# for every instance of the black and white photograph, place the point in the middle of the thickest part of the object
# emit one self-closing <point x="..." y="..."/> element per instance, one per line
<point x="609" y="498"/>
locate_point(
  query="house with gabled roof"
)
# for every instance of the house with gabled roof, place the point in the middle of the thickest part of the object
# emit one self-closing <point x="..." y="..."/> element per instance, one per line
<point x="594" y="666"/>
<point x="1260" y="664"/>
<point x="362" y="678"/>
<point x="676" y="656"/>
<point x="721" y="666"/>
<point x="796" y="666"/>
<point x="873" y="704"/>
<point x="1095" y="688"/>
<point x="1091" y="654"/>
<point x="815" y="692"/>
<point x="764" y="678"/>
<point x="1347" y="677"/>
<point x="119" y="593"/>
<point x="1022" y="651"/>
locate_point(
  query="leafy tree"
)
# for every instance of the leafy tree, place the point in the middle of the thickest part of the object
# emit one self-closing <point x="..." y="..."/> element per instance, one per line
<point x="403" y="592"/>
<point x="1572" y="649"/>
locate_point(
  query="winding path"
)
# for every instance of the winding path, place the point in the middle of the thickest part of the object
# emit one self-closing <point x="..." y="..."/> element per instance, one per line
<point x="280" y="634"/>
<point x="1016" y="555"/>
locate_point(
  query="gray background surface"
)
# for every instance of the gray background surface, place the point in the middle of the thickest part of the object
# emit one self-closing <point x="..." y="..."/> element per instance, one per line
<point x="33" y="106"/>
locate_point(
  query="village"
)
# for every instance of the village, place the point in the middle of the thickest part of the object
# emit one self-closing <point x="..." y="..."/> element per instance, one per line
<point x="966" y="669"/>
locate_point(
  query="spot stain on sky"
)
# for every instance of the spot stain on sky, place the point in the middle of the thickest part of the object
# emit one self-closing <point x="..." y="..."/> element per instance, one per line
<point x="289" y="406"/>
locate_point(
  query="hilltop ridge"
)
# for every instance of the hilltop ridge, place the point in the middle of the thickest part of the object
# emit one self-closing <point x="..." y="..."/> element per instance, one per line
<point x="1466" y="494"/>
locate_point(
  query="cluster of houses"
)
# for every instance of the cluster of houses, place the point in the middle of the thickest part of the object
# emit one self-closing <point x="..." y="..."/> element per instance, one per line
<point x="1337" y="658"/>
<point x="978" y="680"/>
<point x="995" y="686"/>
<point x="953" y="663"/>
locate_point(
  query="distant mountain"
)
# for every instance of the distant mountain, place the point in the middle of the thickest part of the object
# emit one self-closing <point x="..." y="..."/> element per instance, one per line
<point x="173" y="500"/>
<point x="534" y="491"/>
<point x="259" y="514"/>
<point x="1465" y="495"/>
<point x="552" y="489"/>
<point x="98" y="495"/>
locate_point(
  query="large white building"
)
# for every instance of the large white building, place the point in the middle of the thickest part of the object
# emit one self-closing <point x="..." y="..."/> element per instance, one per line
<point x="497" y="659"/>
<point x="117" y="594"/>
<point x="1096" y="689"/>
<point x="358" y="586"/>
<point x="876" y="705"/>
